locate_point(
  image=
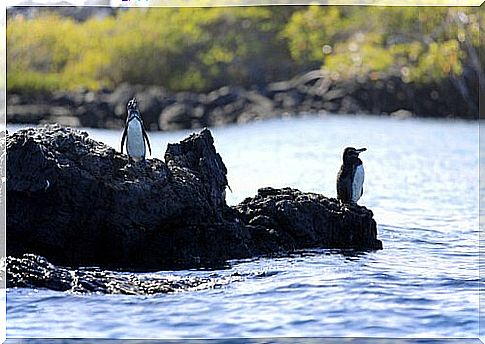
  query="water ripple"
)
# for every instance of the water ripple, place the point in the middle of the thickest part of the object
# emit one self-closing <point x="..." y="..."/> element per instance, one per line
<point x="423" y="191"/>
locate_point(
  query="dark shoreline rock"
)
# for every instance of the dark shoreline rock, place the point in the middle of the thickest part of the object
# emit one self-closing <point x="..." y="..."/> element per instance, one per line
<point x="310" y="93"/>
<point x="304" y="220"/>
<point x="77" y="202"/>
<point x="32" y="271"/>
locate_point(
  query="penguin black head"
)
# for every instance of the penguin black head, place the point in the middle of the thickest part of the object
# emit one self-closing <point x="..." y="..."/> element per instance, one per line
<point x="352" y="155"/>
<point x="132" y="105"/>
<point x="132" y="108"/>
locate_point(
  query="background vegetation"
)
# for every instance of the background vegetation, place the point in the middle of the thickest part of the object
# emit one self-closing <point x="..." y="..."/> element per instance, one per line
<point x="200" y="49"/>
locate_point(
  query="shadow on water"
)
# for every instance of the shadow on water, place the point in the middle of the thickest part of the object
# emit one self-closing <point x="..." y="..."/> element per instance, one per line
<point x="351" y="254"/>
<point x="354" y="255"/>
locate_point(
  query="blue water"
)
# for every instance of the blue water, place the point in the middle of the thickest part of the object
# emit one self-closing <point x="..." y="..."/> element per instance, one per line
<point x="422" y="185"/>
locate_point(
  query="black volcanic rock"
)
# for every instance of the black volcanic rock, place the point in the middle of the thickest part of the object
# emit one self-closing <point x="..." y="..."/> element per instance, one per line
<point x="312" y="92"/>
<point x="78" y="202"/>
<point x="304" y="220"/>
<point x="33" y="271"/>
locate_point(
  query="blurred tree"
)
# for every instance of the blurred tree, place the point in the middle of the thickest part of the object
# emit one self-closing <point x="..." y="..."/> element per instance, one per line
<point x="200" y="49"/>
<point x="311" y="33"/>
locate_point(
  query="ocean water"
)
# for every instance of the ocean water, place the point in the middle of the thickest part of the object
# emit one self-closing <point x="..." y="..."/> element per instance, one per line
<point x="422" y="185"/>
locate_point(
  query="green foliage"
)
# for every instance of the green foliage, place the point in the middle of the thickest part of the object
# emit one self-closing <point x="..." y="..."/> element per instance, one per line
<point x="421" y="44"/>
<point x="438" y="61"/>
<point x="33" y="82"/>
<point x="361" y="55"/>
<point x="311" y="30"/>
<point x="200" y="49"/>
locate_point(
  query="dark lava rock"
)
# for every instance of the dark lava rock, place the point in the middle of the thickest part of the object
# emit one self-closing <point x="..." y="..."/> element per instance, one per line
<point x="229" y="105"/>
<point x="179" y="116"/>
<point x="32" y="271"/>
<point x="78" y="202"/>
<point x="312" y="92"/>
<point x="296" y="220"/>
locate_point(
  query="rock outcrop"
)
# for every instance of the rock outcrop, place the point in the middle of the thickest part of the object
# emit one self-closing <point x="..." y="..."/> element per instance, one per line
<point x="309" y="93"/>
<point x="78" y="202"/>
<point x="293" y="220"/>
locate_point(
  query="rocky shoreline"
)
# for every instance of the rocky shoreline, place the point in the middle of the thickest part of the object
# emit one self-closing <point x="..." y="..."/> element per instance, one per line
<point x="33" y="271"/>
<point x="77" y="202"/>
<point x="310" y="93"/>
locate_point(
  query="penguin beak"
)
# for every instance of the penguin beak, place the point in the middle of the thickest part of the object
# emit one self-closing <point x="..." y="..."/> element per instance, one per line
<point x="361" y="150"/>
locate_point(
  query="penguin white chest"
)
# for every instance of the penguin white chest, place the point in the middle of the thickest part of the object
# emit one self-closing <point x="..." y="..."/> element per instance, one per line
<point x="357" y="183"/>
<point x="135" y="144"/>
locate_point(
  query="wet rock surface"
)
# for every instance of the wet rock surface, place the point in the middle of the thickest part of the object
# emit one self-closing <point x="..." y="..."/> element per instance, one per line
<point x="78" y="202"/>
<point x="33" y="271"/>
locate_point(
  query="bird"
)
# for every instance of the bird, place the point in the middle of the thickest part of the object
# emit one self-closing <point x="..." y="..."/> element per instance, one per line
<point x="350" y="178"/>
<point x="135" y="133"/>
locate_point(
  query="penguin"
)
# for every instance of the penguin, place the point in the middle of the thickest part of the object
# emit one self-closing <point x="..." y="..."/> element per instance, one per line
<point x="134" y="133"/>
<point x="350" y="178"/>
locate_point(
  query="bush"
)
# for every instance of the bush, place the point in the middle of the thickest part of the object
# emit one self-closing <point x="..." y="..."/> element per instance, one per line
<point x="200" y="49"/>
